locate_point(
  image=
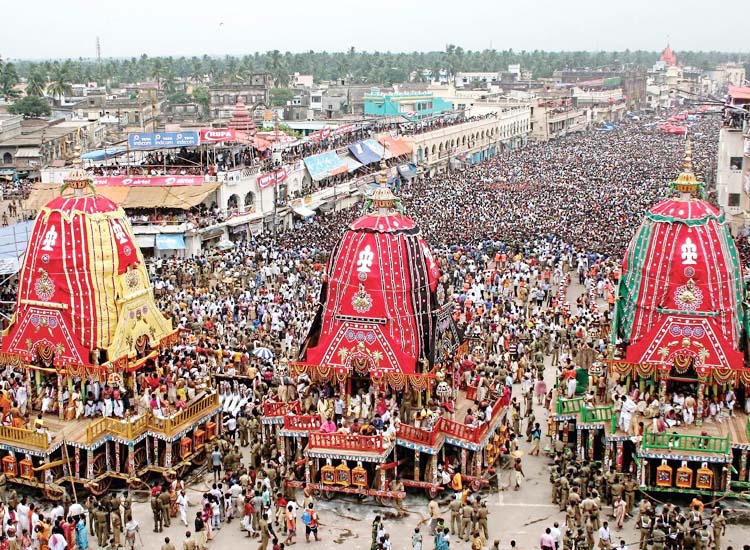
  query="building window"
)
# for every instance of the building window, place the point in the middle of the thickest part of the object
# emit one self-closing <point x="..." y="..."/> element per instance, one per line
<point x="734" y="199"/>
<point x="735" y="163"/>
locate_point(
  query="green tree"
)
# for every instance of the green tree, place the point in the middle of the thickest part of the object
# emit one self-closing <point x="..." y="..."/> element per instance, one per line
<point x="280" y="96"/>
<point x="158" y="70"/>
<point x="278" y="69"/>
<point x="8" y="81"/>
<point x="59" y="82"/>
<point x="36" y="82"/>
<point x="202" y="97"/>
<point x="31" y="106"/>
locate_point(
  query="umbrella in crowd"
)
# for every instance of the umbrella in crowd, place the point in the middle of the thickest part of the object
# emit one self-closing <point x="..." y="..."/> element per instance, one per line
<point x="264" y="354"/>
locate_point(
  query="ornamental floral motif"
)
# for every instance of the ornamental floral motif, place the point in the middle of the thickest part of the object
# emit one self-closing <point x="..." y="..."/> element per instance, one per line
<point x="688" y="297"/>
<point x="361" y="301"/>
<point x="44" y="287"/>
<point x="132" y="279"/>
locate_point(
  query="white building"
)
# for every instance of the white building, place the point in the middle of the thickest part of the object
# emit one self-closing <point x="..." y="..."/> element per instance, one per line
<point x="733" y="161"/>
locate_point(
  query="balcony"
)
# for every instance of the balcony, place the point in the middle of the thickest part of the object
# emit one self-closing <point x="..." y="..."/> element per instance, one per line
<point x="444" y="427"/>
<point x="302" y="423"/>
<point x="24" y="438"/>
<point x="281" y="409"/>
<point x="348" y="442"/>
<point x="168" y="426"/>
<point x="685" y="443"/>
<point x="568" y="406"/>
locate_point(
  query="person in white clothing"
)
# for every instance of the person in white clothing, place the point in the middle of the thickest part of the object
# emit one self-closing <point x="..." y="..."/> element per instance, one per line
<point x="626" y="413"/>
<point x="183" y="503"/>
<point x="57" y="542"/>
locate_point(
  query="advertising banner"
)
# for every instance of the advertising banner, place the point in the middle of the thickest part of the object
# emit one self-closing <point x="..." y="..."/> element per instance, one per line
<point x="149" y="181"/>
<point x="165" y="140"/>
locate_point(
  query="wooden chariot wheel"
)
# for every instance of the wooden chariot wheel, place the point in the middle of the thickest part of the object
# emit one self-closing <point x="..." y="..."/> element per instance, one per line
<point x="100" y="481"/>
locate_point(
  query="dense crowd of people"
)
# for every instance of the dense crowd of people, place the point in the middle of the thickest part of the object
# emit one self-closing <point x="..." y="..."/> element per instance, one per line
<point x="512" y="235"/>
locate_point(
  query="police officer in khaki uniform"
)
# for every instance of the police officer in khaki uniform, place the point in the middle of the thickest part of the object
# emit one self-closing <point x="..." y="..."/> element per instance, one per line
<point x="564" y="492"/>
<point x="719" y="523"/>
<point x="3" y="490"/>
<point x="156" y="510"/>
<point x="483" y="513"/>
<point x="164" y="504"/>
<point x="102" y="526"/>
<point x="116" y="528"/>
<point x="244" y="429"/>
<point x="645" y="525"/>
<point x="455" y="510"/>
<point x="630" y="487"/>
<point x="466" y="516"/>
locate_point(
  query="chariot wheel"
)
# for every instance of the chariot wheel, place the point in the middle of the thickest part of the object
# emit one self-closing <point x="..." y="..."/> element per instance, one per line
<point x="53" y="491"/>
<point x="200" y="457"/>
<point x="476" y="485"/>
<point x="385" y="501"/>
<point x="181" y="469"/>
<point x="140" y="461"/>
<point x="136" y="483"/>
<point x="100" y="486"/>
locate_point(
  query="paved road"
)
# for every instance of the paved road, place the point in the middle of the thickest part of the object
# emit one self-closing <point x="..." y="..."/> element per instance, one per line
<point x="521" y="516"/>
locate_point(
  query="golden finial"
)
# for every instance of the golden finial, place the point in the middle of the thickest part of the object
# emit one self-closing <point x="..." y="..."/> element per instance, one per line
<point x="687" y="163"/>
<point x="383" y="197"/>
<point x="77" y="178"/>
<point x="686" y="182"/>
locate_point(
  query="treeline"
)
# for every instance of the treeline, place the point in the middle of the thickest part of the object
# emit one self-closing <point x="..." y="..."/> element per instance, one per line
<point x="364" y="67"/>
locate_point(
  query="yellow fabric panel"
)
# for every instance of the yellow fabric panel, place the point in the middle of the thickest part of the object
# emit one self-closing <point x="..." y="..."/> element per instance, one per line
<point x="102" y="269"/>
<point x="132" y="197"/>
<point x="168" y="197"/>
<point x="135" y="322"/>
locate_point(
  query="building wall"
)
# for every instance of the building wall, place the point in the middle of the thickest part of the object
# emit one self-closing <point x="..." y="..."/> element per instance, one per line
<point x="436" y="148"/>
<point x="423" y="105"/>
<point x="732" y="197"/>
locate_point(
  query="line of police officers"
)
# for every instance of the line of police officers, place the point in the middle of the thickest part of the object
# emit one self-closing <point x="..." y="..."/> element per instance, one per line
<point x="582" y="488"/>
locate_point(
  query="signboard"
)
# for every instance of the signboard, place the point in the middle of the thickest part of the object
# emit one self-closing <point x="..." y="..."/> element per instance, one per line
<point x="271" y="178"/>
<point x="149" y="181"/>
<point x="325" y="133"/>
<point x="345" y="129"/>
<point x="151" y="140"/>
<point x="215" y="135"/>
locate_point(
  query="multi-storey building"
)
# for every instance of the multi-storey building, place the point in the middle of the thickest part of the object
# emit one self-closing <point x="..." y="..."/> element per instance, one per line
<point x="733" y="160"/>
<point x="255" y="93"/>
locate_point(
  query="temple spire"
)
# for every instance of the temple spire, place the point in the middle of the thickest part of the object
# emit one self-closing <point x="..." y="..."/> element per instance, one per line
<point x="383" y="198"/>
<point x="77" y="179"/>
<point x="687" y="184"/>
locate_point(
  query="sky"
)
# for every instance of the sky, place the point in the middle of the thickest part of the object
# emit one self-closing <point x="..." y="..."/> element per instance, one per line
<point x="43" y="29"/>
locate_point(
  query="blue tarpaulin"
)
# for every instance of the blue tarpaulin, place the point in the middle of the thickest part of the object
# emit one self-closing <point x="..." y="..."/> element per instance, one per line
<point x="364" y="154"/>
<point x="102" y="154"/>
<point x="170" y="242"/>
<point x="324" y="165"/>
<point x="408" y="171"/>
<point x="378" y="148"/>
<point x="13" y="242"/>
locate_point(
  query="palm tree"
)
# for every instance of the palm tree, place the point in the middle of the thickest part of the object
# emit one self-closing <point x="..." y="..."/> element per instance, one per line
<point x="36" y="83"/>
<point x="275" y="65"/>
<point x="8" y="80"/>
<point x="158" y="70"/>
<point x="169" y="82"/>
<point x="59" y="83"/>
<point x="196" y="70"/>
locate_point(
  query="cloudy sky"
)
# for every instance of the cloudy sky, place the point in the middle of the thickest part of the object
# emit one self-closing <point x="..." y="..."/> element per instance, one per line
<point x="53" y="29"/>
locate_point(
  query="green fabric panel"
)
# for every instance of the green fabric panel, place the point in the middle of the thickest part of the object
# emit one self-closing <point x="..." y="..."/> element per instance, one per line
<point x="630" y="283"/>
